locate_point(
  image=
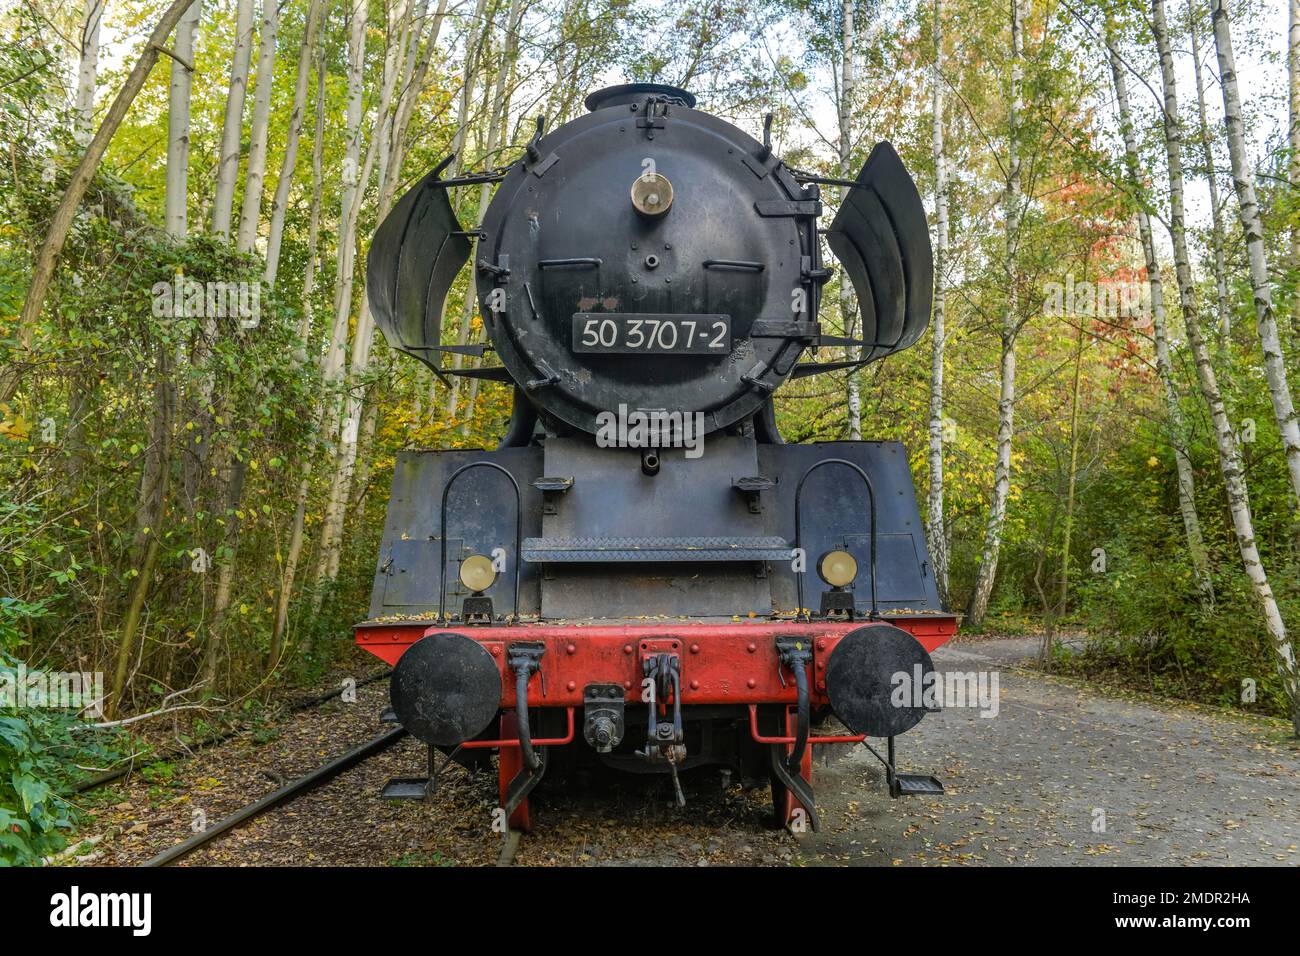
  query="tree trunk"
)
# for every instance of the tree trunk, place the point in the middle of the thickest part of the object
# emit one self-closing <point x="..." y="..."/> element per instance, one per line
<point x="1217" y="234"/>
<point x="61" y="223"/>
<point x="226" y="574"/>
<point x="85" y="102"/>
<point x="1071" y="487"/>
<point x="1293" y="139"/>
<point x="988" y="568"/>
<point x="178" y="124"/>
<point x="1230" y="464"/>
<point x="332" y="367"/>
<point x="467" y="81"/>
<point x="936" y="530"/>
<point x="153" y="507"/>
<point x="280" y="204"/>
<point x="317" y="190"/>
<point x="1248" y="209"/>
<point x="331" y="536"/>
<point x="1164" y="366"/>
<point x="848" y="302"/>
<point x="296" y="537"/>
<point x="223" y="199"/>
<point x="251" y="214"/>
<point x="497" y="132"/>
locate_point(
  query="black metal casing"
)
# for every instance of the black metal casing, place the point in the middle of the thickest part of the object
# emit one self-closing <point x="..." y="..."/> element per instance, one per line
<point x="707" y="536"/>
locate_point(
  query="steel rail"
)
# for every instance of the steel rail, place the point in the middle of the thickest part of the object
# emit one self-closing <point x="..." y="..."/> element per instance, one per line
<point x="320" y="775"/>
<point x="108" y="776"/>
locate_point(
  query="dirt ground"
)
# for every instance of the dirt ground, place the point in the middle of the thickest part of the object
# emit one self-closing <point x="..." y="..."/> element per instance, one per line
<point x="1063" y="774"/>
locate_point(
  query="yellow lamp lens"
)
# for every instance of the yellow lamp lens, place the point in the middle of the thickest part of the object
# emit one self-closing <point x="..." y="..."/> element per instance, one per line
<point x="477" y="573"/>
<point x="837" y="568"/>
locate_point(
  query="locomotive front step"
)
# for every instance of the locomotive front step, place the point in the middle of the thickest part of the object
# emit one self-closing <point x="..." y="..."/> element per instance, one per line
<point x="406" y="788"/>
<point x="915" y="785"/>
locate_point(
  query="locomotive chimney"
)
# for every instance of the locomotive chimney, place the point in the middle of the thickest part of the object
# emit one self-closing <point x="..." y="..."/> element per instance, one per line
<point x="634" y="94"/>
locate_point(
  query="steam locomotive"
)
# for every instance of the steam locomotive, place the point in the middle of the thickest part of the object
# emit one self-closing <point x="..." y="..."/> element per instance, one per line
<point x="643" y="573"/>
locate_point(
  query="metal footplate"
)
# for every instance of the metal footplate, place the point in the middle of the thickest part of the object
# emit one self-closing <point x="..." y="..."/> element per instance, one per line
<point x="407" y="788"/>
<point x="914" y="785"/>
<point x="411" y="788"/>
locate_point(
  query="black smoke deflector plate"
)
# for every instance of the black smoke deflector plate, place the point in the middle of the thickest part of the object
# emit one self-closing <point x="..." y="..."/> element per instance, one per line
<point x="882" y="240"/>
<point x="414" y="257"/>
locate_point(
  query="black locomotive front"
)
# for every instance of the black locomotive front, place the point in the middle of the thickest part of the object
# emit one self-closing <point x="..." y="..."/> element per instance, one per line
<point x="643" y="563"/>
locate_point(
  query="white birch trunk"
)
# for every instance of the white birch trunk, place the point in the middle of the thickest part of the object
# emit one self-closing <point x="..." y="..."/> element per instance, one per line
<point x="280" y="203"/>
<point x="848" y="302"/>
<point x="1164" y="366"/>
<point x="473" y="44"/>
<point x="1217" y="234"/>
<point x="250" y="215"/>
<point x="1230" y="464"/>
<point x="936" y="530"/>
<point x="1293" y="138"/>
<point x="84" y="127"/>
<point x="497" y="131"/>
<point x="1248" y="210"/>
<point x="223" y="198"/>
<point x="1012" y="206"/>
<point x="178" y="124"/>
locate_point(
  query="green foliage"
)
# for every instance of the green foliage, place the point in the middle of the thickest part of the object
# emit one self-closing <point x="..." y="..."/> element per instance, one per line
<point x="38" y="748"/>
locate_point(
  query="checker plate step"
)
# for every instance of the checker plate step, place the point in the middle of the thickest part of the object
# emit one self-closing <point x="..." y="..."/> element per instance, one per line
<point x="550" y="550"/>
<point x="916" y="784"/>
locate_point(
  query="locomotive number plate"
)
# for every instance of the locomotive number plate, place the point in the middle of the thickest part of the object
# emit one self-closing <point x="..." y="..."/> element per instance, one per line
<point x="642" y="333"/>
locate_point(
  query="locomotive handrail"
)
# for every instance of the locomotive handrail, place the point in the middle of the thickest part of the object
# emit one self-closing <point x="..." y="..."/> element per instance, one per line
<point x="442" y="526"/>
<point x="544" y="742"/>
<point x="575" y="261"/>
<point x="798" y="501"/>
<point x="827" y="739"/>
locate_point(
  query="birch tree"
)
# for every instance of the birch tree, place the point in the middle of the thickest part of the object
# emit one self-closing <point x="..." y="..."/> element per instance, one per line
<point x="1243" y="179"/>
<point x="332" y="366"/>
<point x="259" y="128"/>
<point x="86" y="73"/>
<point x="1230" y="464"/>
<point x="61" y="222"/>
<point x="1217" y="233"/>
<point x="499" y="122"/>
<point x="473" y="46"/>
<point x="848" y="303"/>
<point x="1293" y="137"/>
<point x="936" y="530"/>
<point x="280" y="204"/>
<point x="1164" y="367"/>
<point x="176" y="204"/>
<point x="223" y="198"/>
<point x="297" y="535"/>
<point x="1012" y="211"/>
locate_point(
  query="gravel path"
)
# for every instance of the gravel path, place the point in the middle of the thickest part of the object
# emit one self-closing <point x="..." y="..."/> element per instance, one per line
<point x="1035" y="784"/>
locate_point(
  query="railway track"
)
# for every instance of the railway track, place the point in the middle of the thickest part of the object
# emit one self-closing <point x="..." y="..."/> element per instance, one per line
<point x="322" y="774"/>
<point x="108" y="776"/>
